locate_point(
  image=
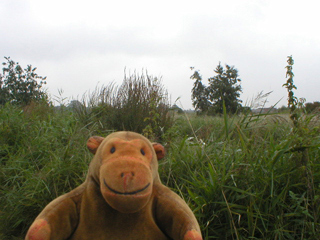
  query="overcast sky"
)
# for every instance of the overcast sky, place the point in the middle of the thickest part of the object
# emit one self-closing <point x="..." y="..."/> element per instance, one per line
<point x="79" y="45"/>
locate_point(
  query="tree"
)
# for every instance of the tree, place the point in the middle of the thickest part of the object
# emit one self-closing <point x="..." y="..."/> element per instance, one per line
<point x="312" y="107"/>
<point x="20" y="86"/>
<point x="223" y="89"/>
<point x="199" y="94"/>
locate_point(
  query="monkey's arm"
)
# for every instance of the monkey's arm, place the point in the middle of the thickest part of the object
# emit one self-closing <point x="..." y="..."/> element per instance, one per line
<point x="58" y="219"/>
<point x="175" y="217"/>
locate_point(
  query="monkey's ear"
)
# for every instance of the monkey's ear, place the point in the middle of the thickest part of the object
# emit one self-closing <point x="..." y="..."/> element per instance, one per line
<point x="93" y="143"/>
<point x="160" y="151"/>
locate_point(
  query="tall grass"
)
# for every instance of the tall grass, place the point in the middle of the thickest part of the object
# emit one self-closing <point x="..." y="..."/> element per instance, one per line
<point x="242" y="178"/>
<point x="241" y="175"/>
<point x="43" y="155"/>
<point x="42" y="148"/>
<point x="139" y="104"/>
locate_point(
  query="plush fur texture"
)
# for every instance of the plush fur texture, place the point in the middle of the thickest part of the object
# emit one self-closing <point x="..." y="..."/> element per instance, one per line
<point x="121" y="198"/>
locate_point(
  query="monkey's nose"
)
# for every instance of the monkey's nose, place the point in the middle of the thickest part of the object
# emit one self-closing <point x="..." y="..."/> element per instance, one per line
<point x="127" y="178"/>
<point x="127" y="174"/>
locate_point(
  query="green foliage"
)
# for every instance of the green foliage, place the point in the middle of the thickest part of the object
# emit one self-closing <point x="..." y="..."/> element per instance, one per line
<point x="140" y="104"/>
<point x="42" y="155"/>
<point x="20" y="86"/>
<point x="312" y="107"/>
<point x="246" y="176"/>
<point x="238" y="174"/>
<point x="303" y="137"/>
<point x="241" y="178"/>
<point x="292" y="100"/>
<point x="199" y="94"/>
<point x="223" y="90"/>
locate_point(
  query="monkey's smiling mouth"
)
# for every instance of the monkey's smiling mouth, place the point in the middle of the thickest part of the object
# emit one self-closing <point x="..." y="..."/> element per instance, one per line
<point x="125" y="193"/>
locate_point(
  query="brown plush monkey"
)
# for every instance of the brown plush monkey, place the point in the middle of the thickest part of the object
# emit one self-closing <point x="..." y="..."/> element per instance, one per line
<point x="121" y="198"/>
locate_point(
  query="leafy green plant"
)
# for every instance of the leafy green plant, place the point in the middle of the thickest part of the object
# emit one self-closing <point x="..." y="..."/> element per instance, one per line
<point x="20" y="86"/>
<point x="303" y="135"/>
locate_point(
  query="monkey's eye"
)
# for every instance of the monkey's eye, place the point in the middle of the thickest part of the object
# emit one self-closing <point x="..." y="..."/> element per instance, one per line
<point x="113" y="149"/>
<point x="142" y="152"/>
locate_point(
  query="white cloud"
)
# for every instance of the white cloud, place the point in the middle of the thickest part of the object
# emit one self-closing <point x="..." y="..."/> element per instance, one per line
<point x="81" y="43"/>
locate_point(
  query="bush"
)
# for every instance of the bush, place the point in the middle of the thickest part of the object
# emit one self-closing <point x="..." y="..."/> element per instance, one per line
<point x="140" y="104"/>
<point x="20" y="86"/>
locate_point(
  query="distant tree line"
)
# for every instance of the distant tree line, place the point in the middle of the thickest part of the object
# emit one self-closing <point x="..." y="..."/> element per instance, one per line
<point x="21" y="86"/>
<point x="312" y="107"/>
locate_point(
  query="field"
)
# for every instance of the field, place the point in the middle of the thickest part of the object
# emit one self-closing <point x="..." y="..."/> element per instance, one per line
<point x="245" y="177"/>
